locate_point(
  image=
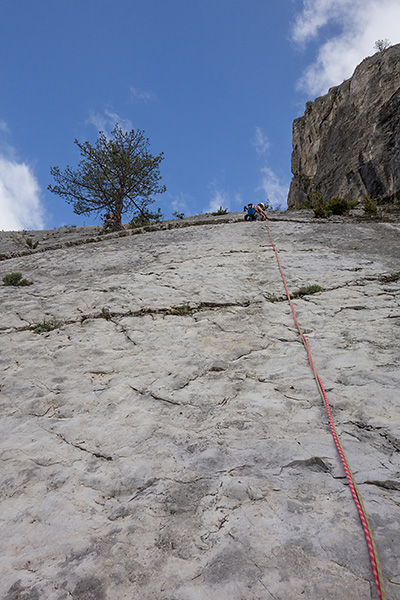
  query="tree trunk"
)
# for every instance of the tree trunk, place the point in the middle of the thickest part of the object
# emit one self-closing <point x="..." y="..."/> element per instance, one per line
<point x="119" y="202"/>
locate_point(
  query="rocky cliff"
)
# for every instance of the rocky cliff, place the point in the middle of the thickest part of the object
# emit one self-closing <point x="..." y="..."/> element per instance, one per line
<point x="347" y="144"/>
<point x="161" y="433"/>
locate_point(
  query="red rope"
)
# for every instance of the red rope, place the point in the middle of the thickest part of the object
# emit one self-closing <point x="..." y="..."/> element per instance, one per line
<point x="349" y="475"/>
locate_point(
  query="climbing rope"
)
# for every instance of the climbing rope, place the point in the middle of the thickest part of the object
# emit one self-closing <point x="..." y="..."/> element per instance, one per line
<point x="349" y="475"/>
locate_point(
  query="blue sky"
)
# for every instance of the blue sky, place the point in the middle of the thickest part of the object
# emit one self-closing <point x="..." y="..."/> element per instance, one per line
<point x="215" y="85"/>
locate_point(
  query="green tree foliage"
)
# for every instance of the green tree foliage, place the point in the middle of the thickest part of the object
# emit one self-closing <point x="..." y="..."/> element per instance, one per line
<point x="117" y="175"/>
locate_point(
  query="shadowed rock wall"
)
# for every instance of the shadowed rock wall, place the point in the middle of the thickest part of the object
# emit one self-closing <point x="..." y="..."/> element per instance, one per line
<point x="347" y="144"/>
<point x="161" y="433"/>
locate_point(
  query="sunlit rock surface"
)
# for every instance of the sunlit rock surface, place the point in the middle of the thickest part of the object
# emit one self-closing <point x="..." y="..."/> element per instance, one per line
<point x="162" y="435"/>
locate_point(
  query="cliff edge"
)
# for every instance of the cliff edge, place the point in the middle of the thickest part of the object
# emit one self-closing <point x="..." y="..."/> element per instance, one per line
<point x="347" y="144"/>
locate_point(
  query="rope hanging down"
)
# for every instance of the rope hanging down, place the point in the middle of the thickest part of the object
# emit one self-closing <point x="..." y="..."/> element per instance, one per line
<point x="349" y="475"/>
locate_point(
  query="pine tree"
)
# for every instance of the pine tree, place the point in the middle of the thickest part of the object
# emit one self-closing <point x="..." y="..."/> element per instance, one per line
<point x="117" y="175"/>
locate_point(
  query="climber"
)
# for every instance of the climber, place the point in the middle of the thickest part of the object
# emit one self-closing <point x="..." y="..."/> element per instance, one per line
<point x="261" y="211"/>
<point x="109" y="222"/>
<point x="251" y="214"/>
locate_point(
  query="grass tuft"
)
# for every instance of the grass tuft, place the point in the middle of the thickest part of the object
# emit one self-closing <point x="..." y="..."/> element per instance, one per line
<point x="46" y="326"/>
<point x="306" y="291"/>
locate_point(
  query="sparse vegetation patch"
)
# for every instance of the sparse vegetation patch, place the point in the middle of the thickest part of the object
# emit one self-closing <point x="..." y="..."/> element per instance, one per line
<point x="22" y="240"/>
<point x="274" y="298"/>
<point x="15" y="279"/>
<point x="46" y="325"/>
<point x="306" y="291"/>
<point x="220" y="211"/>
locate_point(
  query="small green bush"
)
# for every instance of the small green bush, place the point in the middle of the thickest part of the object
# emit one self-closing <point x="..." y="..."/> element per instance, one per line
<point x="15" y="279"/>
<point x="220" y="211"/>
<point x="321" y="211"/>
<point x="316" y="202"/>
<point x="334" y="206"/>
<point x="316" y="199"/>
<point x="339" y="206"/>
<point x="370" y="206"/>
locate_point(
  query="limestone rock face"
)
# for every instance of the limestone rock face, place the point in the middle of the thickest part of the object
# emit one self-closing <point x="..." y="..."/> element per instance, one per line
<point x="347" y="144"/>
<point x="161" y="432"/>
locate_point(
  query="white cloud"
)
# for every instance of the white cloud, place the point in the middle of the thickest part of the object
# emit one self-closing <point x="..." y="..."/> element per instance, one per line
<point x="219" y="199"/>
<point x="260" y="142"/>
<point x="360" y="24"/>
<point x="180" y="204"/>
<point x="318" y="13"/>
<point x="106" y="121"/>
<point x="20" y="204"/>
<point x="275" y="191"/>
<point x="142" y="95"/>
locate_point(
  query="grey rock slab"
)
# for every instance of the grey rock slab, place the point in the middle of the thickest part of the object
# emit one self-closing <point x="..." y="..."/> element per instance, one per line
<point x="166" y="439"/>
